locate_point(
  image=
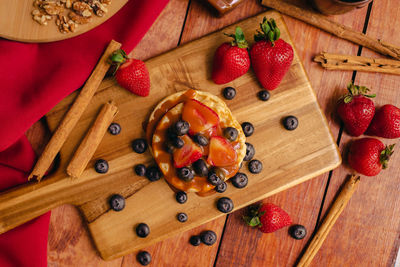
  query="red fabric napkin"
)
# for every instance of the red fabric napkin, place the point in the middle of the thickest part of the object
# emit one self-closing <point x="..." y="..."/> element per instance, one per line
<point x="34" y="78"/>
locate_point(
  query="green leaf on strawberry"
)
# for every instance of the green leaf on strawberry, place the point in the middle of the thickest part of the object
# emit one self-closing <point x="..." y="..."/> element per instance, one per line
<point x="269" y="31"/>
<point x="385" y="155"/>
<point x="355" y="90"/>
<point x="238" y="38"/>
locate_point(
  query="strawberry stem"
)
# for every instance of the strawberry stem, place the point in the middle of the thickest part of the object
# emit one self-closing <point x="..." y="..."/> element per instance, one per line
<point x="117" y="58"/>
<point x="269" y="31"/>
<point x="253" y="217"/>
<point x="385" y="155"/>
<point x="356" y="90"/>
<point x="238" y="38"/>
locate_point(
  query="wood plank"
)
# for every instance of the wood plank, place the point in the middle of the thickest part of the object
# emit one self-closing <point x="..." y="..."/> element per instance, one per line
<point x="302" y="202"/>
<point x="371" y="217"/>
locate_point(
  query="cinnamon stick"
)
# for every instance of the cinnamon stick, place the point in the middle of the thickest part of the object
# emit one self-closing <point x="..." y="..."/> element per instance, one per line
<point x="333" y="214"/>
<point x="334" y="28"/>
<point x="91" y="140"/>
<point x="345" y="62"/>
<point x="74" y="113"/>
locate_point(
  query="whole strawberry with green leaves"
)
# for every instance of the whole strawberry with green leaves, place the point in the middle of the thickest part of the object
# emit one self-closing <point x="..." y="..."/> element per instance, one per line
<point x="356" y="109"/>
<point x="231" y="60"/>
<point x="131" y="73"/>
<point x="270" y="56"/>
<point x="267" y="217"/>
<point x="386" y="122"/>
<point x="369" y="156"/>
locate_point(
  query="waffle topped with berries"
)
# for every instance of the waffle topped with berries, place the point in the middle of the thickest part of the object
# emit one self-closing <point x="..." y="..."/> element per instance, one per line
<point x="195" y="140"/>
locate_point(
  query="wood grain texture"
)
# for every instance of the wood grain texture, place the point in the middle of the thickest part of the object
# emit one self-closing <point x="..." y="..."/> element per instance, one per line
<point x="370" y="224"/>
<point x="16" y="22"/>
<point x="303" y="201"/>
<point x="315" y="153"/>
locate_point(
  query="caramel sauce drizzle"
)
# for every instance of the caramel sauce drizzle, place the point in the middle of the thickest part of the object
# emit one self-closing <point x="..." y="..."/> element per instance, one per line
<point x="198" y="184"/>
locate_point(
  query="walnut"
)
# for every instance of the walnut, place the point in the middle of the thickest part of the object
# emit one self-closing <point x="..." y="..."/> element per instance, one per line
<point x="52" y="8"/>
<point x="79" y="12"/>
<point x="82" y="9"/>
<point x="105" y="2"/>
<point x="78" y="19"/>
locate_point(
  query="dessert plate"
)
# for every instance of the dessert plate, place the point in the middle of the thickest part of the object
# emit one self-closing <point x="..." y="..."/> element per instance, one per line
<point x="16" y="22"/>
<point x="289" y="157"/>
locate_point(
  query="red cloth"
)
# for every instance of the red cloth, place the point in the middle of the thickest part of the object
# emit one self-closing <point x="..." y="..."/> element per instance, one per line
<point x="34" y="78"/>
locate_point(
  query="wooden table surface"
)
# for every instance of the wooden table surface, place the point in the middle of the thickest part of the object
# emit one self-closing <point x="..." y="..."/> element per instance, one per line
<point x="368" y="231"/>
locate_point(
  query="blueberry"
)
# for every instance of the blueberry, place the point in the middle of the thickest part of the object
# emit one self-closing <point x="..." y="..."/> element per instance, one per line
<point x="290" y="123"/>
<point x="214" y="179"/>
<point x="114" y="128"/>
<point x="250" y="151"/>
<point x="208" y="237"/>
<point x="255" y="166"/>
<point x="178" y="142"/>
<point x="200" y="168"/>
<point x="200" y="139"/>
<point x="225" y="204"/>
<point x="142" y="230"/>
<point x="117" y="202"/>
<point x="181" y="197"/>
<point x="229" y="93"/>
<point x="169" y="147"/>
<point x="248" y="128"/>
<point x="185" y="174"/>
<point x="297" y="231"/>
<point x="144" y="258"/>
<point x="180" y="127"/>
<point x="195" y="240"/>
<point x="221" y="187"/>
<point x="153" y="173"/>
<point x="182" y="217"/>
<point x="240" y="180"/>
<point x="139" y="145"/>
<point x="140" y="169"/>
<point x="263" y="95"/>
<point x="101" y="166"/>
<point x="231" y="133"/>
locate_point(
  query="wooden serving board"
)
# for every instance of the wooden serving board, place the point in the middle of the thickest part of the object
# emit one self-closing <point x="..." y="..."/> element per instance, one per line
<point x="16" y="22"/>
<point x="289" y="157"/>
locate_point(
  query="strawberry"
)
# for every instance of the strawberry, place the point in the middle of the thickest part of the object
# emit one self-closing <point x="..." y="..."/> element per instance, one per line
<point x="221" y="153"/>
<point x="231" y="60"/>
<point x="199" y="116"/>
<point x="268" y="217"/>
<point x="369" y="156"/>
<point x="356" y="109"/>
<point x="188" y="154"/>
<point x="131" y="73"/>
<point x="270" y="56"/>
<point x="386" y="122"/>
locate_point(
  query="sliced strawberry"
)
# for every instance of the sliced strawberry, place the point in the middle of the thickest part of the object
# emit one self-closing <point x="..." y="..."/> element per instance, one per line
<point x="188" y="154"/>
<point x="200" y="117"/>
<point x="221" y="152"/>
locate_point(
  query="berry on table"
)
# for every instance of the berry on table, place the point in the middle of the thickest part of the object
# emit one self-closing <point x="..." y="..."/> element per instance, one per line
<point x="139" y="145"/>
<point x="117" y="202"/>
<point x="101" y="166"/>
<point x="229" y="93"/>
<point x="225" y="204"/>
<point x="248" y="128"/>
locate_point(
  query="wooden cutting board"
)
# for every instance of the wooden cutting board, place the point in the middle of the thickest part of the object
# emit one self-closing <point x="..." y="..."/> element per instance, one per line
<point x="16" y="22"/>
<point x="289" y="157"/>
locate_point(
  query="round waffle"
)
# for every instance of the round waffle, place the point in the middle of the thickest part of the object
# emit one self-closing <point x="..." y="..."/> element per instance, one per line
<point x="166" y="113"/>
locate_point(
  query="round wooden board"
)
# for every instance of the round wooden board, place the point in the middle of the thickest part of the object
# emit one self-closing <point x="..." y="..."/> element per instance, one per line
<point x="16" y="22"/>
